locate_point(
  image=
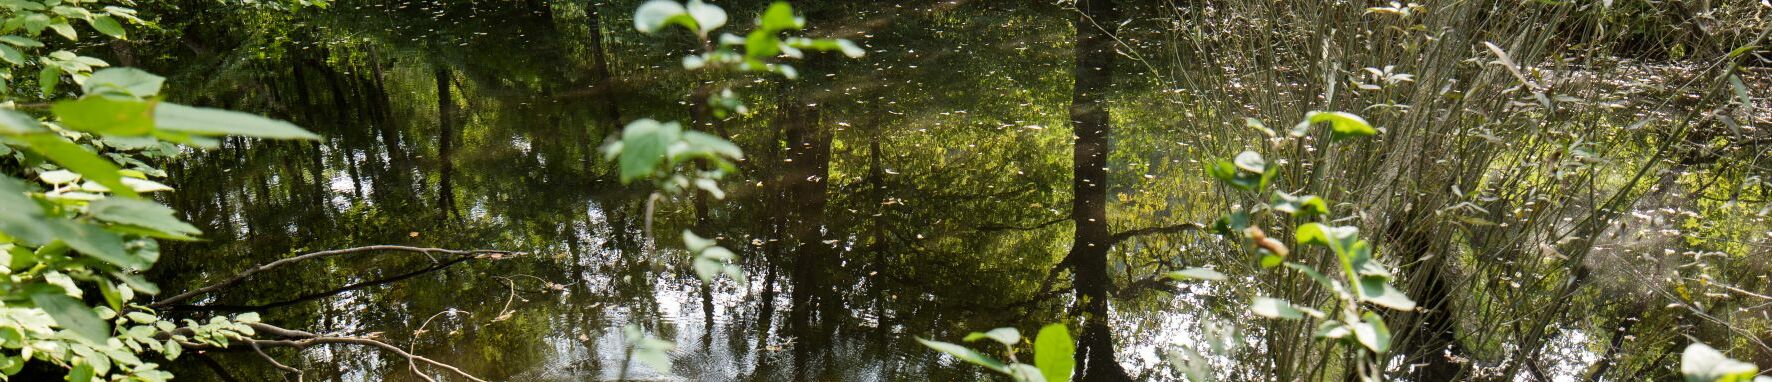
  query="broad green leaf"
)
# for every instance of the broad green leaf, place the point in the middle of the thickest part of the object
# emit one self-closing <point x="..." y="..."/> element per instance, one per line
<point x="70" y="314"/>
<point x="644" y="144"/>
<point x="780" y="17"/>
<point x="1342" y="125"/>
<point x="58" y="177"/>
<point x="1256" y="124"/>
<point x="48" y="78"/>
<point x="707" y="16"/>
<point x="129" y="81"/>
<point x="850" y="49"/>
<point x="707" y="268"/>
<point x="1021" y="372"/>
<point x="12" y="55"/>
<point x="78" y="159"/>
<point x="1250" y="161"/>
<point x="1379" y="292"/>
<point x="965" y="354"/>
<point x="205" y="121"/>
<point x="1373" y="333"/>
<point x="108" y="116"/>
<point x="1191" y="363"/>
<point x="82" y="371"/>
<point x="1005" y="336"/>
<point x="99" y="243"/>
<point x="654" y="15"/>
<point x="1196" y="273"/>
<point x="24" y="218"/>
<point x="61" y="27"/>
<point x="1274" y="308"/>
<point x="12" y="122"/>
<point x="712" y="143"/>
<point x="21" y="41"/>
<point x="696" y="243"/>
<point x="761" y="44"/>
<point x="1701" y="363"/>
<point x="142" y="213"/>
<point x="1054" y="353"/>
<point x="109" y="26"/>
<point x="1299" y="206"/>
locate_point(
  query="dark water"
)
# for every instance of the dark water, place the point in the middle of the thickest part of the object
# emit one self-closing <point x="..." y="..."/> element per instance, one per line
<point x="923" y="190"/>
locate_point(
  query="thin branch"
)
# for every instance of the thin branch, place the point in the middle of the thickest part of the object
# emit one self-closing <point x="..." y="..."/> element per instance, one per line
<point x="315" y="296"/>
<point x="292" y="260"/>
<point x="301" y="340"/>
<point x="1005" y="227"/>
<point x="1183" y="227"/>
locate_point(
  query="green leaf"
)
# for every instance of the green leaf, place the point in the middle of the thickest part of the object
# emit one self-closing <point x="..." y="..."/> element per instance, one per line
<point x="205" y="121"/>
<point x="643" y="148"/>
<point x="1377" y="291"/>
<point x="1196" y="273"/>
<point x="1275" y="308"/>
<point x="711" y="143"/>
<point x="141" y="213"/>
<point x="695" y="243"/>
<point x="1250" y="161"/>
<point x="780" y="17"/>
<point x="81" y="372"/>
<point x="78" y="159"/>
<point x="707" y="16"/>
<point x="125" y="81"/>
<point x="966" y="354"/>
<point x="1054" y="353"/>
<point x="101" y="244"/>
<point x="48" y="78"/>
<point x="21" y="41"/>
<point x="70" y="314"/>
<point x="108" y="116"/>
<point x="109" y="26"/>
<point x="761" y="44"/>
<point x="1342" y="125"/>
<point x="1373" y="333"/>
<point x="654" y="15"/>
<point x="61" y="27"/>
<point x="1005" y="336"/>
<point x="24" y="218"/>
<point x="1701" y="363"/>
<point x="12" y="122"/>
<point x="1299" y="206"/>
<point x="12" y="55"/>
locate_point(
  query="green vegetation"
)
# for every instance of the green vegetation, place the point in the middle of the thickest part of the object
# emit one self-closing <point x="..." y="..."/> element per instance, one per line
<point x="753" y="191"/>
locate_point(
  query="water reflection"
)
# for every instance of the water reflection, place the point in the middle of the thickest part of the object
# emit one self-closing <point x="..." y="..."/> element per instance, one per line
<point x="917" y="193"/>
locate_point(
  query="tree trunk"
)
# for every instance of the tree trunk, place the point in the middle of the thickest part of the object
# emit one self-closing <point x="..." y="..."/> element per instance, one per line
<point x="1088" y="255"/>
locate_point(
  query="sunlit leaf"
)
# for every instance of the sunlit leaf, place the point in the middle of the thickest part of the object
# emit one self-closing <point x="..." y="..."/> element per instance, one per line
<point x="109" y="26"/>
<point x="1006" y="336"/>
<point x="1196" y="274"/>
<point x="70" y="314"/>
<point x="105" y="115"/>
<point x="1054" y="353"/>
<point x="965" y="354"/>
<point x="141" y="213"/>
<point x="79" y="159"/>
<point x="1274" y="308"/>
<point x="215" y="122"/>
<point x="127" y="81"/>
<point x="708" y="16"/>
<point x="1701" y="363"/>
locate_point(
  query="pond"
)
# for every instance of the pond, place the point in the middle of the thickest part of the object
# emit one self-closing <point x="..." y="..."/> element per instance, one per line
<point x="920" y="191"/>
<point x="983" y="165"/>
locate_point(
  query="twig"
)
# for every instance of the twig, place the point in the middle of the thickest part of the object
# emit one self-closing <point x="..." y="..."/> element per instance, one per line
<point x="1183" y="227"/>
<point x="287" y="261"/>
<point x="274" y="363"/>
<point x="302" y="340"/>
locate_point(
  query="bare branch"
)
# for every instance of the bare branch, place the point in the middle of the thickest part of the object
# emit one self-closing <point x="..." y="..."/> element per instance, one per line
<point x="1183" y="227"/>
<point x="301" y="340"/>
<point x="292" y="260"/>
